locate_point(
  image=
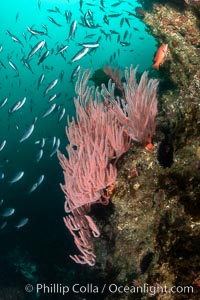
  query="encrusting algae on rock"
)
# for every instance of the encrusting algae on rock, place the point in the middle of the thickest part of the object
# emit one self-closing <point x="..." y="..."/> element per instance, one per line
<point x="152" y="234"/>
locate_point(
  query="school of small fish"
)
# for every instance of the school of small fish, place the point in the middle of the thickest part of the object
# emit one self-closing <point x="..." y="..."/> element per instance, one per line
<point x="32" y="52"/>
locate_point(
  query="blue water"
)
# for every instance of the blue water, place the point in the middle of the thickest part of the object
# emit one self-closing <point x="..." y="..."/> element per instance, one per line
<point x="44" y="207"/>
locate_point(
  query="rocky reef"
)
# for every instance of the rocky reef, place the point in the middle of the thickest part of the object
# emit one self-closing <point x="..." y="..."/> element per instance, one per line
<point x="152" y="234"/>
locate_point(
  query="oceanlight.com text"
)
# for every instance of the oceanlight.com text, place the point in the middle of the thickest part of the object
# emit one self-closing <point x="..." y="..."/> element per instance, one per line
<point x="112" y="288"/>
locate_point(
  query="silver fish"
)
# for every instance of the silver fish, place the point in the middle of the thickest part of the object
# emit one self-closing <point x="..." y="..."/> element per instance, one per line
<point x="1" y="175"/>
<point x="57" y="145"/>
<point x="27" y="133"/>
<point x="124" y="44"/>
<point x="42" y="143"/>
<point x="39" y="155"/>
<point x="14" y="67"/>
<point x="39" y="4"/>
<point x="72" y="29"/>
<point x="54" y="22"/>
<point x="127" y="21"/>
<point x="37" y="183"/>
<point x="22" y="223"/>
<point x="88" y="22"/>
<point x="8" y="212"/>
<point x="22" y="103"/>
<point x="52" y="98"/>
<point x="3" y="225"/>
<point x="75" y="73"/>
<point x="33" y="188"/>
<point x="50" y="86"/>
<point x="80" y="54"/>
<point x="15" y="107"/>
<point x="61" y="76"/>
<point x="35" y="32"/>
<point x="45" y="27"/>
<point x="24" y="35"/>
<point x="18" y="105"/>
<point x="15" y="39"/>
<point x="40" y="80"/>
<point x="27" y="65"/>
<point x="36" y="48"/>
<point x="17" y="177"/>
<point x="125" y="35"/>
<point x="49" y="111"/>
<point x="3" y="102"/>
<point x="62" y="49"/>
<point x="61" y="115"/>
<point x="40" y="179"/>
<point x="43" y="57"/>
<point x="2" y="64"/>
<point x="53" y="142"/>
<point x="2" y="145"/>
<point x="90" y="45"/>
<point x="68" y="16"/>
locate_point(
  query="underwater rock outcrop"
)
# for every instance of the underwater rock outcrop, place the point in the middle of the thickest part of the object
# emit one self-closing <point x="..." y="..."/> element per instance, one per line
<point x="152" y="236"/>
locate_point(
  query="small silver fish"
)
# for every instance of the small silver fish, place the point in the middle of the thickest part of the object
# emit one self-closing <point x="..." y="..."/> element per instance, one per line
<point x="17" y="177"/>
<point x="75" y="73"/>
<point x="36" y="48"/>
<point x="68" y="15"/>
<point x="40" y="179"/>
<point x="17" y="105"/>
<point x="72" y="30"/>
<point x="2" y="175"/>
<point x="8" y="212"/>
<point x="50" y="86"/>
<point x="37" y="183"/>
<point x="90" y="45"/>
<point x="61" y="115"/>
<point x="22" y="223"/>
<point x="33" y="188"/>
<point x="54" y="22"/>
<point x="3" y="102"/>
<point x="51" y="98"/>
<point x="21" y="103"/>
<point x="40" y="80"/>
<point x="62" y="49"/>
<point x="36" y="32"/>
<point x="27" y="133"/>
<point x="2" y="145"/>
<point x="43" y="57"/>
<point x="14" y="67"/>
<point x="49" y="111"/>
<point x="16" y="40"/>
<point x="42" y="143"/>
<point x="27" y="65"/>
<point x="80" y="54"/>
<point x="39" y="155"/>
<point x="53" y="142"/>
<point x="3" y="225"/>
<point x="56" y="147"/>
